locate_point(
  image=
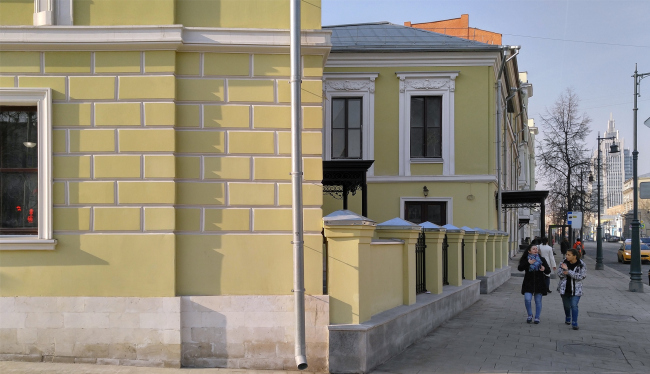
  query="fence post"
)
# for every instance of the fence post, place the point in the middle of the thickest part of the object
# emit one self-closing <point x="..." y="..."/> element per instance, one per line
<point x="470" y="252"/>
<point x="505" y="251"/>
<point x="490" y="251"/>
<point x="455" y="239"/>
<point x="398" y="228"/>
<point x="481" y="246"/>
<point x="348" y="239"/>
<point x="499" y="245"/>
<point x="433" y="259"/>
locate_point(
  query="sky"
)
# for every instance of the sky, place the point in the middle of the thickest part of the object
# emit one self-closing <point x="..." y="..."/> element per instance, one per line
<point x="590" y="46"/>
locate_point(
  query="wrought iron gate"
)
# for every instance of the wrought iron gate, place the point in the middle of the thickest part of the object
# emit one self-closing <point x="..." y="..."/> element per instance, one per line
<point x="420" y="270"/>
<point x="445" y="262"/>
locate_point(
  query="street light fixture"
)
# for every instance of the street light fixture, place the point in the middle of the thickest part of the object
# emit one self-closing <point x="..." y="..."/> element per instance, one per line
<point x="635" y="262"/>
<point x="599" y="229"/>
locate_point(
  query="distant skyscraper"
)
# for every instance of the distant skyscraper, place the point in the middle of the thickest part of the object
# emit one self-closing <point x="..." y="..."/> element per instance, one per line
<point x="613" y="171"/>
<point x="627" y="154"/>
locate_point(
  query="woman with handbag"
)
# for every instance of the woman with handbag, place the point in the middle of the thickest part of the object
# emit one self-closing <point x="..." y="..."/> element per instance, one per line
<point x="571" y="273"/>
<point x="534" y="285"/>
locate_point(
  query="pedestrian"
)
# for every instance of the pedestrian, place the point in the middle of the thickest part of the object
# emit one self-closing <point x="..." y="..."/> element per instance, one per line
<point x="546" y="252"/>
<point x="564" y="245"/>
<point x="534" y="284"/>
<point x="571" y="273"/>
<point x="581" y="248"/>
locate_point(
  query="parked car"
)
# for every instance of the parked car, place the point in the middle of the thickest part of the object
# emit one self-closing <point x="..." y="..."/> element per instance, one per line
<point x="646" y="240"/>
<point x="624" y="253"/>
<point x="613" y="239"/>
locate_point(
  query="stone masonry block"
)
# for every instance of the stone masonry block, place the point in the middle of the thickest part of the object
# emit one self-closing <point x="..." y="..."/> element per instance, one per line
<point x="188" y="63"/>
<point x="89" y="88"/>
<point x="146" y="140"/>
<point x="312" y="143"/>
<point x="159" y="352"/>
<point x="188" y="115"/>
<point x="92" y="140"/>
<point x="67" y="62"/>
<point x="44" y="320"/>
<point x="159" y="166"/>
<point x="251" y="90"/>
<point x="252" y="193"/>
<point x="256" y="142"/>
<point x="281" y="219"/>
<point x="271" y="65"/>
<point x="226" y="116"/>
<point x="124" y="320"/>
<point x="117" y="166"/>
<point x="146" y="192"/>
<point x="159" y="114"/>
<point x="144" y="305"/>
<point x="117" y="219"/>
<point x="171" y="305"/>
<point x="71" y="166"/>
<point x="226" y="64"/>
<point x="20" y="62"/>
<point x="65" y="115"/>
<point x="90" y="350"/>
<point x="27" y="304"/>
<point x="310" y="92"/>
<point x="312" y="117"/>
<point x="227" y="219"/>
<point x="91" y="192"/>
<point x="199" y="90"/>
<point x="86" y="320"/>
<point x="159" y="219"/>
<point x="312" y="66"/>
<point x="227" y="168"/>
<point x="160" y="321"/>
<point x="13" y="320"/>
<point x="117" y="114"/>
<point x="188" y="219"/>
<point x="57" y="84"/>
<point x="104" y="304"/>
<point x="193" y="193"/>
<point x="147" y="87"/>
<point x="200" y="141"/>
<point x="272" y="168"/>
<point x="122" y="351"/>
<point x="277" y="117"/>
<point x="7" y="304"/>
<point x="313" y="169"/>
<point x="58" y="193"/>
<point x="188" y="167"/>
<point x="117" y="62"/>
<point x="59" y="141"/>
<point x="159" y="61"/>
<point x="311" y="194"/>
<point x="73" y="219"/>
<point x="7" y="81"/>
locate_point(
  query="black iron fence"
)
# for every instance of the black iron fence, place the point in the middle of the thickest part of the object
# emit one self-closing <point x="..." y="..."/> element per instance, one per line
<point x="420" y="270"/>
<point x="325" y="257"/>
<point x="445" y="261"/>
<point x="462" y="257"/>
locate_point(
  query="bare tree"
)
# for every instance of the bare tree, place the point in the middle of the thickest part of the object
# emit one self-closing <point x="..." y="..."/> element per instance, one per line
<point x="562" y="153"/>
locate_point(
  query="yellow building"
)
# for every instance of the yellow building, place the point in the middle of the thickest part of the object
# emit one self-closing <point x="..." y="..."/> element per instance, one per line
<point x="145" y="182"/>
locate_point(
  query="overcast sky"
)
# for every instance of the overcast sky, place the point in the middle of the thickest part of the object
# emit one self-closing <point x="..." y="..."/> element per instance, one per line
<point x="588" y="45"/>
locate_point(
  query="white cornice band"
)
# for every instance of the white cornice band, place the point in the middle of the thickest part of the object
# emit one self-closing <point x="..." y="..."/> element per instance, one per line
<point x="433" y="178"/>
<point x="411" y="59"/>
<point x="176" y="37"/>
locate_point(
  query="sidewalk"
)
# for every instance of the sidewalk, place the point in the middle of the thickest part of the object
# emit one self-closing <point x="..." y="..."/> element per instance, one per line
<point x="492" y="336"/>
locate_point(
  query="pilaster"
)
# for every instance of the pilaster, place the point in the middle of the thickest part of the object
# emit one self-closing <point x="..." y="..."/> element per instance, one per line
<point x="454" y="254"/>
<point x="469" y="263"/>
<point x="434" y="236"/>
<point x="490" y="251"/>
<point x="481" y="247"/>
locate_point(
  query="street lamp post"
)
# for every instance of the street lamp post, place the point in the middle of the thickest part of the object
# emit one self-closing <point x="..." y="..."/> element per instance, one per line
<point x="635" y="264"/>
<point x="599" y="229"/>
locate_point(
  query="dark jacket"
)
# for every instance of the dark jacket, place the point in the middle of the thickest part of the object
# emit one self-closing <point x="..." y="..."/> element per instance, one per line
<point x="564" y="246"/>
<point x="534" y="281"/>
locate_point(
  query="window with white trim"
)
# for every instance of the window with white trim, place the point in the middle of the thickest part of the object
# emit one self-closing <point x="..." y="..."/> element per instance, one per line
<point x="25" y="169"/>
<point x="426" y="120"/>
<point x="349" y="116"/>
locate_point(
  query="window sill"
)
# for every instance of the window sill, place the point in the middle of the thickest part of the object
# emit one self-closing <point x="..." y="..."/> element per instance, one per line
<point x="427" y="161"/>
<point x="27" y="244"/>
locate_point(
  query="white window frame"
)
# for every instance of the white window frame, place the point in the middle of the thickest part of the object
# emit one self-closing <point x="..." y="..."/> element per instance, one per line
<point x="42" y="98"/>
<point x="448" y="200"/>
<point x="435" y="83"/>
<point x="343" y="85"/>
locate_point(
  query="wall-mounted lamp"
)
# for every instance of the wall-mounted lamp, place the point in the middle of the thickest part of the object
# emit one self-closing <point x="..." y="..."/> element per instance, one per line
<point x="425" y="191"/>
<point x="29" y="144"/>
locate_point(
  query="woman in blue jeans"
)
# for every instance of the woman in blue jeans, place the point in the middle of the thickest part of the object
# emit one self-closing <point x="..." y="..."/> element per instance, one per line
<point x="534" y="285"/>
<point x="571" y="273"/>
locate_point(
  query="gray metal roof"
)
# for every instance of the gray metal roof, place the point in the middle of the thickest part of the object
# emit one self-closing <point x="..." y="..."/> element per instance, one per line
<point x="389" y="37"/>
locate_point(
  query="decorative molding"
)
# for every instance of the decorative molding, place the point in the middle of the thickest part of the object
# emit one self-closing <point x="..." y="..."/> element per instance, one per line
<point x="348" y="85"/>
<point x="483" y="178"/>
<point x="427" y="59"/>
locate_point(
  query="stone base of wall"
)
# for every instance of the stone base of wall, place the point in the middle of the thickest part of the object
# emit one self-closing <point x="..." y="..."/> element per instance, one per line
<point x="493" y="279"/>
<point x="251" y="332"/>
<point x="360" y="348"/>
<point x="102" y="330"/>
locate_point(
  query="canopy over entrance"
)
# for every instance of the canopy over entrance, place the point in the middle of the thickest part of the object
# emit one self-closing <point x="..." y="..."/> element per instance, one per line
<point x="526" y="199"/>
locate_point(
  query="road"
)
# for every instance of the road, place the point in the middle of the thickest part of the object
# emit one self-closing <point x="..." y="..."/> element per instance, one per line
<point x="610" y="259"/>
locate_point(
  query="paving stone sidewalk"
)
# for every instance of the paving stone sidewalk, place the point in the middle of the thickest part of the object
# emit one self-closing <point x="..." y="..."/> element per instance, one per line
<point x="492" y="336"/>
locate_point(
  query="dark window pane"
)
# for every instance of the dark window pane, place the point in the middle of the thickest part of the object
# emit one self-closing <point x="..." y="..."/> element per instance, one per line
<point x="416" y="142"/>
<point x="18" y="201"/>
<point x="18" y="136"/>
<point x="434" y="214"/>
<point x="354" y="143"/>
<point x="434" y="111"/>
<point x="338" y="113"/>
<point x="417" y="112"/>
<point x="434" y="142"/>
<point x="414" y="212"/>
<point x="354" y="113"/>
<point x="338" y="143"/>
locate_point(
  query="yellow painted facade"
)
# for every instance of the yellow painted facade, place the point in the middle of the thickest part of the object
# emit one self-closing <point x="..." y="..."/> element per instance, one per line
<point x="171" y="167"/>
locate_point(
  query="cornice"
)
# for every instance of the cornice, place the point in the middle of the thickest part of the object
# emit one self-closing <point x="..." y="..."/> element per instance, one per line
<point x="478" y="178"/>
<point x="412" y="59"/>
<point x="174" y="37"/>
